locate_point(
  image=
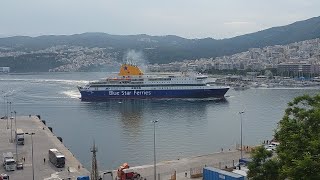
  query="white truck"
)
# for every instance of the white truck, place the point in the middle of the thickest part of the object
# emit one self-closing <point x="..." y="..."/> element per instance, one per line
<point x="20" y="136"/>
<point x="107" y="175"/>
<point x="9" y="163"/>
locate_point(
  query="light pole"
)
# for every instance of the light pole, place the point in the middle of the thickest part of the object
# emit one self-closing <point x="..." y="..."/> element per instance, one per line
<point x="154" y="149"/>
<point x="4" y="102"/>
<point x="11" y="121"/>
<point x="11" y="127"/>
<point x="15" y="120"/>
<point x="241" y="132"/>
<point x="10" y="107"/>
<point x="7" y="115"/>
<point x="32" y="153"/>
<point x="5" y="109"/>
<point x="15" y="125"/>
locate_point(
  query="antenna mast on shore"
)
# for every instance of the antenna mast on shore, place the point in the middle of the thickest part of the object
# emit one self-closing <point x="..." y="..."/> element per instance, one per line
<point x="94" y="167"/>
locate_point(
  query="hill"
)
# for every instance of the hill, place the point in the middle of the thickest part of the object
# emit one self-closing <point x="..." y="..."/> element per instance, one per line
<point x="165" y="49"/>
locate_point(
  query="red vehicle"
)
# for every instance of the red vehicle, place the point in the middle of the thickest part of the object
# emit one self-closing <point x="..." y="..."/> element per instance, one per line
<point x="4" y="177"/>
<point x="125" y="173"/>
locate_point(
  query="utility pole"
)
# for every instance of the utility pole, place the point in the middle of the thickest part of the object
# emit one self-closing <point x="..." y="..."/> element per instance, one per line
<point x="31" y="134"/>
<point x="15" y="120"/>
<point x="11" y="127"/>
<point x="94" y="167"/>
<point x="241" y="133"/>
<point x="32" y="157"/>
<point x="7" y="115"/>
<point x="10" y="107"/>
<point x="154" y="150"/>
<point x="15" y="125"/>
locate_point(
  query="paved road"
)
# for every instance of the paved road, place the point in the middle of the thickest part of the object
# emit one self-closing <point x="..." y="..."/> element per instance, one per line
<point x="43" y="140"/>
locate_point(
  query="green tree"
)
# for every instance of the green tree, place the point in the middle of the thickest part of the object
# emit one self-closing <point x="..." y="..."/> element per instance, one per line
<point x="263" y="167"/>
<point x="298" y="155"/>
<point x="299" y="136"/>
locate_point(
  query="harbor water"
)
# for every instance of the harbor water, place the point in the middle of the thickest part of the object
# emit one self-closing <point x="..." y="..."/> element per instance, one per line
<point x="123" y="129"/>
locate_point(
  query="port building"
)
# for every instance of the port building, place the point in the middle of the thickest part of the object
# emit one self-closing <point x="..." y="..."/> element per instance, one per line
<point x="296" y="69"/>
<point x="4" y="69"/>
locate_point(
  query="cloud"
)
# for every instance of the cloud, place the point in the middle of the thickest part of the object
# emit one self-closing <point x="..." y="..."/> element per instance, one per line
<point x="190" y="19"/>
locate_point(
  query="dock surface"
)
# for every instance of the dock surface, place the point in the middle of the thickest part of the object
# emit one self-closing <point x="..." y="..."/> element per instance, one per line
<point x="191" y="165"/>
<point x="43" y="140"/>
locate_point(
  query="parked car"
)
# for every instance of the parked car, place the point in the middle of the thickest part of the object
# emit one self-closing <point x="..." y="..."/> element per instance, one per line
<point x="275" y="143"/>
<point x="270" y="147"/>
<point x="19" y="166"/>
<point x="4" y="177"/>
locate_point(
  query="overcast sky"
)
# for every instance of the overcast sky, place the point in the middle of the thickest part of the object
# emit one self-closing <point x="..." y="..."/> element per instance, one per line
<point x="187" y="18"/>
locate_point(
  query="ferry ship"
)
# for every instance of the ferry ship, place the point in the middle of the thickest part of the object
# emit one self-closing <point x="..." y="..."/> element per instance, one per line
<point x="132" y="83"/>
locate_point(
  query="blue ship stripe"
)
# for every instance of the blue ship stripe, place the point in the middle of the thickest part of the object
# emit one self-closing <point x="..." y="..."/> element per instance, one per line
<point x="136" y="94"/>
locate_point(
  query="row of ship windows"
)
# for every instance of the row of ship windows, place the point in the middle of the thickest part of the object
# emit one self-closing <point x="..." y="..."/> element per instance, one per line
<point x="165" y="82"/>
<point x="163" y="79"/>
<point x="148" y="85"/>
<point x="169" y="79"/>
<point x="141" y="82"/>
<point x="100" y="85"/>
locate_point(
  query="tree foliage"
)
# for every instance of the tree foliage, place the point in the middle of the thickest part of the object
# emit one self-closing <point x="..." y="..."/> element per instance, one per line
<point x="299" y="137"/>
<point x="263" y="167"/>
<point x="298" y="155"/>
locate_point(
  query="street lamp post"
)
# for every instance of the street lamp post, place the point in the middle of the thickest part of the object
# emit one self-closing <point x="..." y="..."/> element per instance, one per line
<point x="7" y="115"/>
<point x="15" y="125"/>
<point x="11" y="127"/>
<point x="4" y="102"/>
<point x="15" y="120"/>
<point x="32" y="153"/>
<point x="241" y="132"/>
<point x="154" y="149"/>
<point x="10" y="107"/>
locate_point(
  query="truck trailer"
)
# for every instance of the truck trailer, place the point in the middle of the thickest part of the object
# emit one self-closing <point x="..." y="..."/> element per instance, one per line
<point x="20" y="137"/>
<point x="9" y="163"/>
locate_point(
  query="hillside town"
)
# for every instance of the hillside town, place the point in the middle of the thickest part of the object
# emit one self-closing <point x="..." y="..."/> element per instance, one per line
<point x="295" y="59"/>
<point x="71" y="58"/>
<point x="299" y="58"/>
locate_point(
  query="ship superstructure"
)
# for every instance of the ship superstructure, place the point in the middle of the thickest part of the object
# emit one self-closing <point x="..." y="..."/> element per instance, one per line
<point x="131" y="82"/>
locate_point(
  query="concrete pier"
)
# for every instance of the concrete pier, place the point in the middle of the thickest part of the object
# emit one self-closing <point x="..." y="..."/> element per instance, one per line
<point x="43" y="140"/>
<point x="185" y="166"/>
